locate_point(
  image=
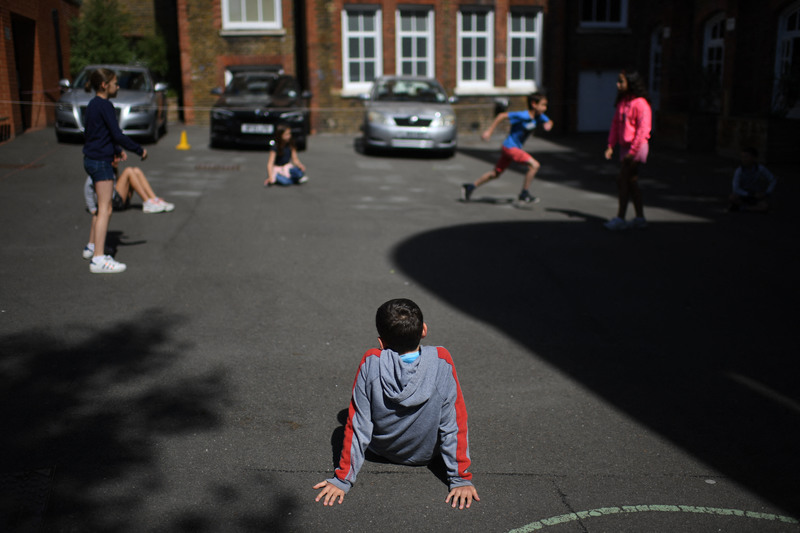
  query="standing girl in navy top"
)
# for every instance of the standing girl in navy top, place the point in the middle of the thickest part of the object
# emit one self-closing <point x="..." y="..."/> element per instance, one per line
<point x="630" y="130"/>
<point x="103" y="145"/>
<point x="283" y="165"/>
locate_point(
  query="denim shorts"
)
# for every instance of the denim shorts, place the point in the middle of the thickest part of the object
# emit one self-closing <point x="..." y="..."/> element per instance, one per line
<point x="98" y="170"/>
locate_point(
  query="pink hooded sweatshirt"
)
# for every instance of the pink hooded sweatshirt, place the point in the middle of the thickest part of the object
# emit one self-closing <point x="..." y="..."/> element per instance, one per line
<point x="631" y="124"/>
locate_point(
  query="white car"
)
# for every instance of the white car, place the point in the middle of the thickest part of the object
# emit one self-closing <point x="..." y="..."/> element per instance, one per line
<point x="409" y="112"/>
<point x="141" y="104"/>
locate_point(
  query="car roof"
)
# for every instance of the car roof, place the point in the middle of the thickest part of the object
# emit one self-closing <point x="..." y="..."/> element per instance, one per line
<point x="409" y="78"/>
<point x="112" y="66"/>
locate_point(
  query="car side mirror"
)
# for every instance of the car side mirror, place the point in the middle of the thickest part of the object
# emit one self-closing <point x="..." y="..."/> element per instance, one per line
<point x="306" y="95"/>
<point x="161" y="86"/>
<point x="64" y="84"/>
<point x="364" y="97"/>
<point x="217" y="91"/>
<point x="453" y="99"/>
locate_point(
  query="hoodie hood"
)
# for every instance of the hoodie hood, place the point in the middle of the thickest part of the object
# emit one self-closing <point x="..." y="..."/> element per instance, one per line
<point x="408" y="384"/>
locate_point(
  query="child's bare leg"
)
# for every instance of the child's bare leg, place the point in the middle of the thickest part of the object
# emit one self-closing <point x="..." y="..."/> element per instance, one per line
<point x="533" y="168"/>
<point x="486" y="178"/>
<point x="92" y="230"/>
<point x="141" y="185"/>
<point x="123" y="186"/>
<point x="104" y="191"/>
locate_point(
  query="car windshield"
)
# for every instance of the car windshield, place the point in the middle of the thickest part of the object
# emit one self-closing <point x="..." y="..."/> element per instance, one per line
<point x="399" y="90"/>
<point x="244" y="84"/>
<point x="129" y="80"/>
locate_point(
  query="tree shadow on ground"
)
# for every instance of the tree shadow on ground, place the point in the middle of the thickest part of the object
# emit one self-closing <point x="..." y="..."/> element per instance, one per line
<point x="82" y="420"/>
<point x="678" y="326"/>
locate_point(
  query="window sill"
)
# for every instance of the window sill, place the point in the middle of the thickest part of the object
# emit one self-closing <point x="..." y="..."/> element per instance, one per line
<point x="494" y="91"/>
<point x="253" y="33"/>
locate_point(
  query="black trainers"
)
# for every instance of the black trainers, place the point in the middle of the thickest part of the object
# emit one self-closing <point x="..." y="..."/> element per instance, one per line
<point x="466" y="191"/>
<point x="526" y="198"/>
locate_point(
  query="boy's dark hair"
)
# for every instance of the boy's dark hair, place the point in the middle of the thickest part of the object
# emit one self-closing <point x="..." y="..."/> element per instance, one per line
<point x="399" y="324"/>
<point x="535" y="98"/>
<point x="751" y="150"/>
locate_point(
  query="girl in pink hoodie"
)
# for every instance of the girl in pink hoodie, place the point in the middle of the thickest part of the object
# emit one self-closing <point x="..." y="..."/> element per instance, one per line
<point x="630" y="130"/>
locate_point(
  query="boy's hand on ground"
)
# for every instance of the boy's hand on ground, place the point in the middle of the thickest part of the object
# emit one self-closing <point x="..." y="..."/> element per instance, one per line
<point x="462" y="496"/>
<point x="329" y="492"/>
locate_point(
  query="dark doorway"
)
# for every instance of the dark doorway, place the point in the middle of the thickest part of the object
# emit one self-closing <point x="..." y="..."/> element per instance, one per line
<point x="24" y="31"/>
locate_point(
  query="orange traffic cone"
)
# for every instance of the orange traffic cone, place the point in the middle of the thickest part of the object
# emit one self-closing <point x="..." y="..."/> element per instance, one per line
<point x="184" y="144"/>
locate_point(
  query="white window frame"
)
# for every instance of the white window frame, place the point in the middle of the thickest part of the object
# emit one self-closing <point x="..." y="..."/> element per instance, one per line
<point x="362" y="85"/>
<point x="711" y="42"/>
<point x="597" y="22"/>
<point x="258" y="25"/>
<point x="536" y="34"/>
<point x="427" y="54"/>
<point x="488" y="83"/>
<point x="784" y="50"/>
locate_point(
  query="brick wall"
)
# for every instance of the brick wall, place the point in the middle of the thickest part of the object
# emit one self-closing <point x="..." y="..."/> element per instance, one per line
<point x="32" y="105"/>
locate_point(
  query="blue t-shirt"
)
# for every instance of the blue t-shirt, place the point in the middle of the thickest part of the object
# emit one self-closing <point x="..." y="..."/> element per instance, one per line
<point x="522" y="125"/>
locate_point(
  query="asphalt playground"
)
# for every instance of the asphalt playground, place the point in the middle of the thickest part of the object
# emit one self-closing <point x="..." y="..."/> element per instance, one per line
<point x="640" y="381"/>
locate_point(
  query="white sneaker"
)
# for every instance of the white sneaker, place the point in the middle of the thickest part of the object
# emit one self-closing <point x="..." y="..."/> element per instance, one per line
<point x="105" y="264"/>
<point x="302" y="180"/>
<point x="616" y="224"/>
<point x="167" y="206"/>
<point x="88" y="251"/>
<point x="151" y="206"/>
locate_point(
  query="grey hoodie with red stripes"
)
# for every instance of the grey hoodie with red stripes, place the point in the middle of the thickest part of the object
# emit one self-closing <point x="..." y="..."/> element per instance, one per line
<point x="406" y="413"/>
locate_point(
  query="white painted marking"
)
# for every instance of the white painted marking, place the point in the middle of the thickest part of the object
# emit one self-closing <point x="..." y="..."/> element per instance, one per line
<point x="625" y="509"/>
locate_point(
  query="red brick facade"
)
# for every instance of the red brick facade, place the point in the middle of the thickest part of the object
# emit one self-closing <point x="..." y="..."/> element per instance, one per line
<point x="28" y="46"/>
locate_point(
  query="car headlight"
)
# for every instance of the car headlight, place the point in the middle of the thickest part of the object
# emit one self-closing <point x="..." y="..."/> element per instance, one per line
<point x="443" y="119"/>
<point x="64" y="107"/>
<point x="141" y="109"/>
<point x="221" y="114"/>
<point x="292" y="116"/>
<point x="376" y="117"/>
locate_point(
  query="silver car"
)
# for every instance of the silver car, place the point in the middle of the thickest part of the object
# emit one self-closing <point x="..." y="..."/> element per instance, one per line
<point x="141" y="104"/>
<point x="409" y="112"/>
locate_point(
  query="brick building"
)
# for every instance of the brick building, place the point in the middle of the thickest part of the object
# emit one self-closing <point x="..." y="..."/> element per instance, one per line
<point x="33" y="49"/>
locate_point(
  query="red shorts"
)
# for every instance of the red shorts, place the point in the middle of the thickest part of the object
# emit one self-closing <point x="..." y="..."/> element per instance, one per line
<point x="511" y="154"/>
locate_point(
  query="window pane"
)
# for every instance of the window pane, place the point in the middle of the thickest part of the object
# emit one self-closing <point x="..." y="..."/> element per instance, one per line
<point x="615" y="11"/>
<point x="516" y="47"/>
<point x="354" y="71"/>
<point x="421" y="46"/>
<point x="369" y="22"/>
<point x="422" y="21"/>
<point x="405" y="46"/>
<point x="481" y="22"/>
<point x="466" y="22"/>
<point x="480" y="47"/>
<point x="516" y="23"/>
<point x="601" y="12"/>
<point x="480" y="70"/>
<point x="422" y="69"/>
<point x="530" y="47"/>
<point x="352" y="22"/>
<point x="235" y="10"/>
<point x="466" y="47"/>
<point x="529" y="70"/>
<point x="407" y="68"/>
<point x="405" y="22"/>
<point x="251" y="10"/>
<point x="466" y="70"/>
<point x="353" y="48"/>
<point x="369" y="47"/>
<point x="515" y="70"/>
<point x="587" y="11"/>
<point x="369" y="71"/>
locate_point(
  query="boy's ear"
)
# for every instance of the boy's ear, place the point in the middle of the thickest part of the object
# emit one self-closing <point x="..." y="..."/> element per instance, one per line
<point x="424" y="330"/>
<point x="380" y="343"/>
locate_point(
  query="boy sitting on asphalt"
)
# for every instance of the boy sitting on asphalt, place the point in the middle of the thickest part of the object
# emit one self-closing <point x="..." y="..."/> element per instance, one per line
<point x="753" y="184"/>
<point x="406" y="407"/>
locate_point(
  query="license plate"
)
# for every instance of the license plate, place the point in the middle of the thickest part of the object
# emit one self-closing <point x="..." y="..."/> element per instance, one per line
<point x="258" y="128"/>
<point x="412" y="143"/>
<point x="412" y="134"/>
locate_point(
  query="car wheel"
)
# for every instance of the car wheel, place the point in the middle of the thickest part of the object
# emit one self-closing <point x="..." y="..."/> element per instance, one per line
<point x="164" y="128"/>
<point x="300" y="144"/>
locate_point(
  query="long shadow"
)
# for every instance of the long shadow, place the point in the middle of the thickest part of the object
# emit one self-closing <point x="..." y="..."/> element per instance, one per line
<point x="678" y="326"/>
<point x="82" y="416"/>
